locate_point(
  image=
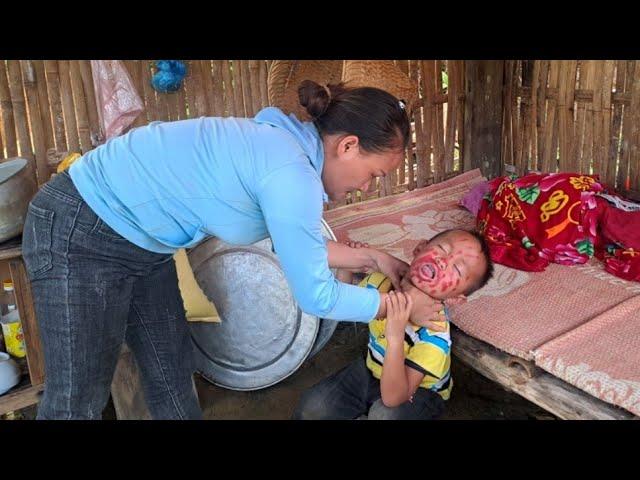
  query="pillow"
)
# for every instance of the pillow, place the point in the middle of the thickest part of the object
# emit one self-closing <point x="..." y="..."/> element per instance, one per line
<point x="473" y="198"/>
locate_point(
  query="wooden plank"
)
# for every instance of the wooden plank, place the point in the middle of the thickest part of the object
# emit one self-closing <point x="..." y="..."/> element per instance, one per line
<point x="206" y="70"/>
<point x="126" y="390"/>
<point x="549" y="162"/>
<point x="413" y="74"/>
<point x="90" y="98"/>
<point x="148" y="93"/>
<point x="523" y="154"/>
<point x="452" y="115"/>
<point x="565" y="112"/>
<point x="507" y="154"/>
<point x="11" y="249"/>
<point x="238" y="102"/>
<point x="24" y="299"/>
<point x="201" y="106"/>
<point x="43" y="100"/>
<point x="35" y="117"/>
<point x="246" y="88"/>
<point x="79" y="100"/>
<point x="20" y="398"/>
<point x="554" y="395"/>
<point x="483" y="116"/>
<point x="428" y="92"/>
<point x="217" y="89"/>
<point x="630" y="117"/>
<point x="439" y="126"/>
<point x="55" y="102"/>
<point x="68" y="110"/>
<point x="253" y="67"/>
<point x="634" y="136"/>
<point x="189" y="87"/>
<point x="460" y="116"/>
<point x="264" y="94"/>
<point x="228" y="89"/>
<point x="6" y="111"/>
<point x="134" y="67"/>
<point x="603" y="139"/>
<point x="541" y="110"/>
<point x="20" y="113"/>
<point x="533" y="120"/>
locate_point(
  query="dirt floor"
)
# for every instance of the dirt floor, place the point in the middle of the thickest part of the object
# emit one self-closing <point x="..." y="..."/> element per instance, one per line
<point x="473" y="397"/>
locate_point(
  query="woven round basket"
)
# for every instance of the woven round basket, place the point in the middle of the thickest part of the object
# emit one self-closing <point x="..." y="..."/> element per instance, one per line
<point x="285" y="77"/>
<point x="383" y="74"/>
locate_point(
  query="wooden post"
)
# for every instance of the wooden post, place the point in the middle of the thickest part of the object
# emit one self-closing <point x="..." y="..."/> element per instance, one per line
<point x="483" y="116"/>
<point x="22" y="287"/>
<point x="126" y="389"/>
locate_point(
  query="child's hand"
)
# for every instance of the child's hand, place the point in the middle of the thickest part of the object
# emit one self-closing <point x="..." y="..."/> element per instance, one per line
<point x="399" y="307"/>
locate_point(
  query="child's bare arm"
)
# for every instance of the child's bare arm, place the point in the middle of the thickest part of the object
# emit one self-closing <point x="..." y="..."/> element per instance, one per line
<point x="398" y="382"/>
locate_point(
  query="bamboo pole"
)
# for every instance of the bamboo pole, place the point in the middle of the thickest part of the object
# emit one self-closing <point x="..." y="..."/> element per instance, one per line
<point x="238" y="103"/>
<point x="79" y="96"/>
<point x="198" y="86"/>
<point x="6" y="108"/>
<point x="95" y="129"/>
<point x="68" y="110"/>
<point x="35" y="120"/>
<point x="603" y="138"/>
<point x="627" y="127"/>
<point x="55" y="102"/>
<point x="541" y="110"/>
<point x="428" y="91"/>
<point x="208" y="87"/>
<point x="549" y="163"/>
<point x="253" y="67"/>
<point x="218" y="89"/>
<point x="20" y="114"/>
<point x="565" y="111"/>
<point x="43" y="101"/>
<point x="148" y="91"/>
<point x="264" y="94"/>
<point x="134" y="67"/>
<point x="246" y="87"/>
<point x="440" y="126"/>
<point x="228" y="91"/>
<point x="452" y="114"/>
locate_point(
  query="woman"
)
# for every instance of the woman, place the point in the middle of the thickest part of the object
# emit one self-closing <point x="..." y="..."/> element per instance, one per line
<point x="98" y="241"/>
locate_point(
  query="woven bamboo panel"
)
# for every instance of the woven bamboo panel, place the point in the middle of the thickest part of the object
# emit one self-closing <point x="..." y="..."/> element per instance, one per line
<point x="581" y="116"/>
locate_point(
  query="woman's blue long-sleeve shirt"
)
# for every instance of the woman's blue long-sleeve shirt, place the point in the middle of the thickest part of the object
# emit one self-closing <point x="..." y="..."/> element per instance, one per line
<point x="169" y="185"/>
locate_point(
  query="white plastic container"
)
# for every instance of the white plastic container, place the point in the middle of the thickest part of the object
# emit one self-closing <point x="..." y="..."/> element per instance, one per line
<point x="9" y="373"/>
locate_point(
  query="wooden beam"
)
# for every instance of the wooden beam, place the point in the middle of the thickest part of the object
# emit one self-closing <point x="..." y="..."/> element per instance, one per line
<point x="483" y="116"/>
<point x="536" y="385"/>
<point x="20" y="398"/>
<point x="22" y="289"/>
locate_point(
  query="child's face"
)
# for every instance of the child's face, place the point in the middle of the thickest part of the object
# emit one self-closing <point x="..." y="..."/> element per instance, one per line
<point x="448" y="265"/>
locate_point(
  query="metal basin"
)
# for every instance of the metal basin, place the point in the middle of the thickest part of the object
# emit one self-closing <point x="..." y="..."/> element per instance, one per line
<point x="17" y="188"/>
<point x="264" y="336"/>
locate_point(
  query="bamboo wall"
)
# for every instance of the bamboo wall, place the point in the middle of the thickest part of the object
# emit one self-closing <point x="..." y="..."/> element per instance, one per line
<point x="558" y="115"/>
<point x="48" y="107"/>
<point x="574" y="115"/>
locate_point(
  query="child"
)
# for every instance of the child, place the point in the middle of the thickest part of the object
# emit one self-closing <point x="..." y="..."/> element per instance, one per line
<point x="406" y="372"/>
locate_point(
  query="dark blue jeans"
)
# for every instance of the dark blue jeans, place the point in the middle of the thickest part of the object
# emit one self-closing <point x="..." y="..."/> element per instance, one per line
<point x="354" y="391"/>
<point x="94" y="290"/>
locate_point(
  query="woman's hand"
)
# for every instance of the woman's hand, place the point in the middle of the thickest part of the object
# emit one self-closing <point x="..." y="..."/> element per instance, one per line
<point x="427" y="312"/>
<point x="361" y="258"/>
<point x="392" y="267"/>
